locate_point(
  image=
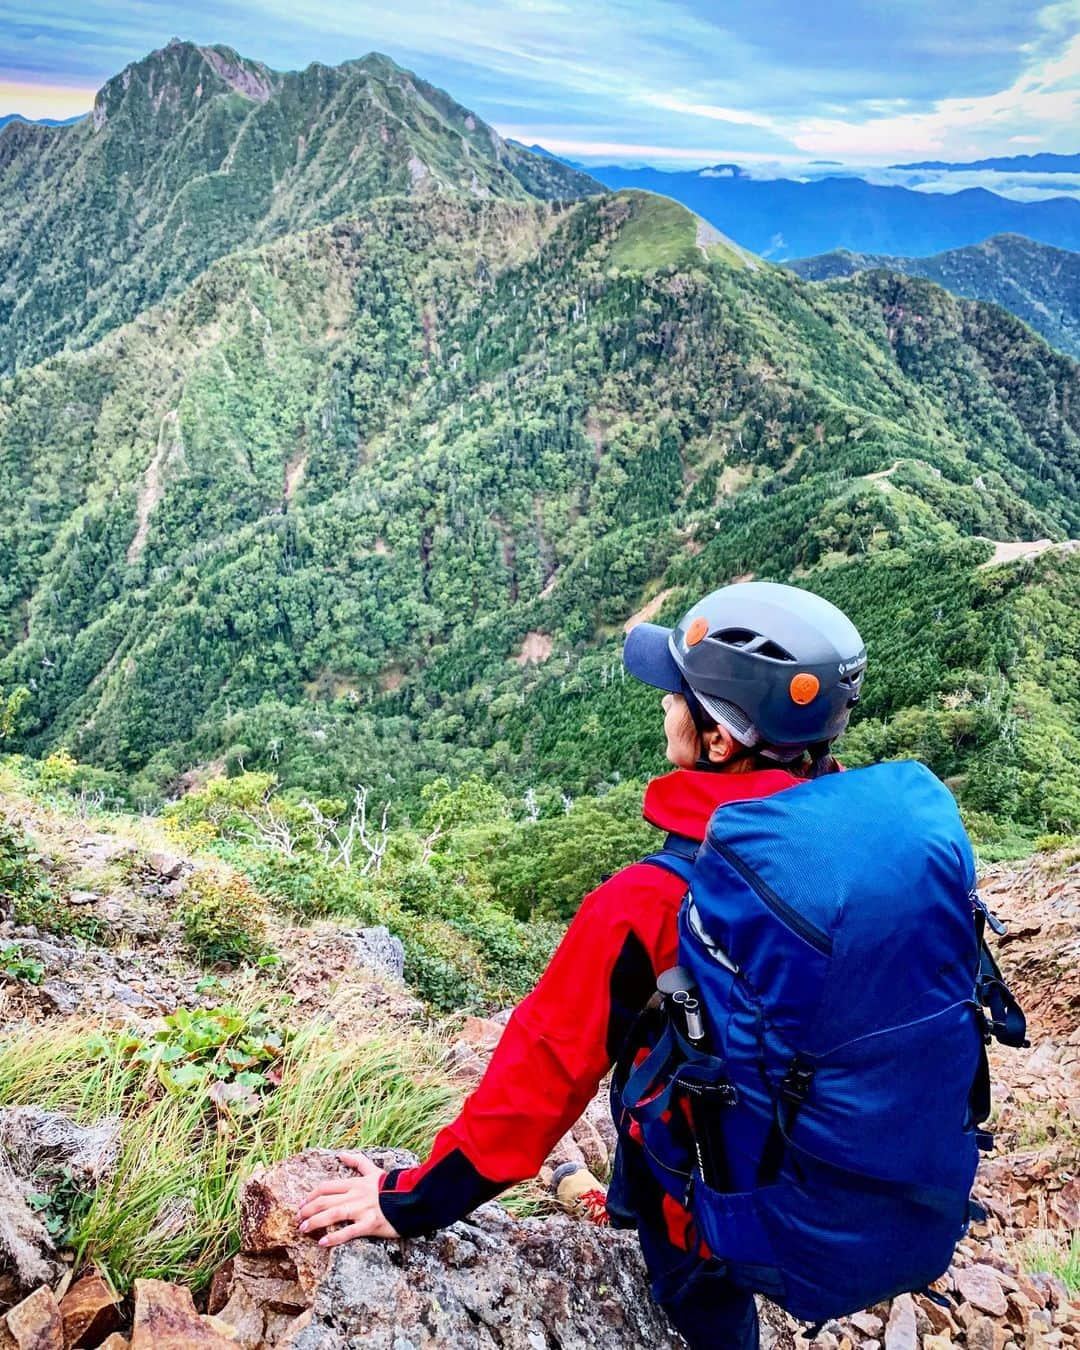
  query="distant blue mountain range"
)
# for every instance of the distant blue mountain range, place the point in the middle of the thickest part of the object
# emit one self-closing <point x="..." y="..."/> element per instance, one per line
<point x="1005" y="164"/>
<point x="781" y="218"/>
<point x="40" y="121"/>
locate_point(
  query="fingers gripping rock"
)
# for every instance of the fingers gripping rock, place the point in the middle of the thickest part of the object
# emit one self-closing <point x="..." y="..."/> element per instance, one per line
<point x="271" y="1196"/>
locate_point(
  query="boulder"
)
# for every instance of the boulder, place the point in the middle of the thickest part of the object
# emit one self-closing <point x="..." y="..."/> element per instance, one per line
<point x="376" y="949"/>
<point x="980" y="1286"/>
<point x="867" y="1322"/>
<point x="481" y="1033"/>
<point x="165" y="1319"/>
<point x="901" y="1332"/>
<point x="488" y="1281"/>
<point x="258" y="1297"/>
<point x="166" y="865"/>
<point x="271" y="1196"/>
<point x="985" y="1334"/>
<point x="64" y="996"/>
<point x="34" y="1324"/>
<point x="88" y="1311"/>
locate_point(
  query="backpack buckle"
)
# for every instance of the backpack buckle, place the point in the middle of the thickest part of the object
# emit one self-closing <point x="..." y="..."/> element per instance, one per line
<point x="797" y="1083"/>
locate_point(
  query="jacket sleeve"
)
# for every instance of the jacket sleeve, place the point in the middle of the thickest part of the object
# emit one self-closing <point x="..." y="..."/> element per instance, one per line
<point x="557" y="1046"/>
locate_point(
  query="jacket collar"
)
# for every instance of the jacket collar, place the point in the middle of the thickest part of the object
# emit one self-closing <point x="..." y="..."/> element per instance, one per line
<point x="682" y="802"/>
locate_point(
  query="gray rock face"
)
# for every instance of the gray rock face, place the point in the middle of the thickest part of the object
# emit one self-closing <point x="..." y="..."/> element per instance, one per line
<point x="489" y="1281"/>
<point x="377" y="950"/>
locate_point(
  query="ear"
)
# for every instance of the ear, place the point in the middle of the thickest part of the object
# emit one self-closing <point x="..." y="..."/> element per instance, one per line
<point x="719" y="745"/>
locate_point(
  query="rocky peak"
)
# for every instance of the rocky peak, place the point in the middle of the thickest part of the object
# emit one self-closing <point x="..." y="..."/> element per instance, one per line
<point x="181" y="76"/>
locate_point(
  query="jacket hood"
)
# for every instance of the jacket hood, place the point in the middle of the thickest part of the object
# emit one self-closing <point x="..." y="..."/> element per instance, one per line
<point x="682" y="802"/>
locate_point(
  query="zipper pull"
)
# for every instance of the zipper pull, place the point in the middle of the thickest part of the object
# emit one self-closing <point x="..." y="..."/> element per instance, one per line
<point x="991" y="918"/>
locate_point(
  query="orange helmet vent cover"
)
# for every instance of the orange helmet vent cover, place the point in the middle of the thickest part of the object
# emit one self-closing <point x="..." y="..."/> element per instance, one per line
<point x="804" y="688"/>
<point x="698" y="630"/>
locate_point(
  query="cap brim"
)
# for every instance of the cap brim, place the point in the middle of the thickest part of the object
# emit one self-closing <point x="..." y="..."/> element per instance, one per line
<point x="647" y="656"/>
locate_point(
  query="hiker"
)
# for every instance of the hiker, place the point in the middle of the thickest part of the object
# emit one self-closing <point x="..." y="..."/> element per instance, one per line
<point x="759" y="680"/>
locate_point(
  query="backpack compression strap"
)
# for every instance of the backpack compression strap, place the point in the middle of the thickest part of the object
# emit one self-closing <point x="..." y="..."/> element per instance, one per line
<point x="1007" y="1022"/>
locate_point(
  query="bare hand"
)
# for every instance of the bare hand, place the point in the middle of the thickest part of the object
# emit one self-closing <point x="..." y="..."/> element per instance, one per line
<point x="350" y="1200"/>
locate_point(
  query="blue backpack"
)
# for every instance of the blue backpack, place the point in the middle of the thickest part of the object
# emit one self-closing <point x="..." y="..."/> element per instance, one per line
<point x="818" y="1081"/>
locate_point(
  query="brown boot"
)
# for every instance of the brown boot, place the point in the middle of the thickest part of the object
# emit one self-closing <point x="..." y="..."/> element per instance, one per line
<point x="579" y="1193"/>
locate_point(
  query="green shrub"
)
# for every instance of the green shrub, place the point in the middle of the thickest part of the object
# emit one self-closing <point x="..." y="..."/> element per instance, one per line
<point x="1051" y="843"/>
<point x="23" y="879"/>
<point x="305" y="887"/>
<point x="222" y="917"/>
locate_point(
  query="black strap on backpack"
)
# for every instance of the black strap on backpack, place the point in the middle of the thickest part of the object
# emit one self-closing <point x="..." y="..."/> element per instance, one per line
<point x="1006" y="1022"/>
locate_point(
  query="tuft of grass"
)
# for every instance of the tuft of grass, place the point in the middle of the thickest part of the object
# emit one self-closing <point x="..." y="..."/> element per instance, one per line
<point x="1061" y="1259"/>
<point x="169" y="1208"/>
<point x="529" y="1200"/>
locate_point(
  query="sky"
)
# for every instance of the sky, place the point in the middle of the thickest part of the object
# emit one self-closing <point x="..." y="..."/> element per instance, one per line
<point x="675" y="83"/>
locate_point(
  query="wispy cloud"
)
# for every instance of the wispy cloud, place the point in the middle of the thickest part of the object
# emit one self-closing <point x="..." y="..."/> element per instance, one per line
<point x="1045" y="95"/>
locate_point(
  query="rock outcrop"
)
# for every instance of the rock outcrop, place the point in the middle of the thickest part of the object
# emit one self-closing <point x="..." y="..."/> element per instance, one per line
<point x="490" y="1280"/>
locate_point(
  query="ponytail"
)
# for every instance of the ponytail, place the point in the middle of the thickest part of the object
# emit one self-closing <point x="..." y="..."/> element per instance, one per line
<point x="821" y="760"/>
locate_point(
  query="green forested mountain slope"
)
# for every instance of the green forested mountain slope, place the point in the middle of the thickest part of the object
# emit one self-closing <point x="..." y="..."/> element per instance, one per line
<point x="1039" y="283"/>
<point x="194" y="152"/>
<point x="373" y="502"/>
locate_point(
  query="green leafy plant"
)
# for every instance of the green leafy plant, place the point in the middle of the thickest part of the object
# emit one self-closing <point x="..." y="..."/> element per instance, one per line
<point x="224" y="1045"/>
<point x="23" y="880"/>
<point x="62" y="1204"/>
<point x="15" y="966"/>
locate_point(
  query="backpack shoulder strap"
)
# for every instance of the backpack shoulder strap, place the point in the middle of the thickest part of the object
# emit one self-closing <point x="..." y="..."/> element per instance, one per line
<point x="678" y="854"/>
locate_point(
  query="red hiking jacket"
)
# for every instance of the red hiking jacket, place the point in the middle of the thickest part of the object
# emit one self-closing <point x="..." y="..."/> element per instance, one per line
<point x="565" y="1036"/>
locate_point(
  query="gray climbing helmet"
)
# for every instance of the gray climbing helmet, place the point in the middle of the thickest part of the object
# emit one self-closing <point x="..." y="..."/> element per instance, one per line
<point x="786" y="660"/>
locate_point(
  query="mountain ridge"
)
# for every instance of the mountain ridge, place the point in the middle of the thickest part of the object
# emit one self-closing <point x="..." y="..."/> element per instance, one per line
<point x="374" y="498"/>
<point x="1038" y="283"/>
<point x="5" y="118"/>
<point x="782" y="218"/>
<point x="194" y="152"/>
<point x="1043" y="162"/>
